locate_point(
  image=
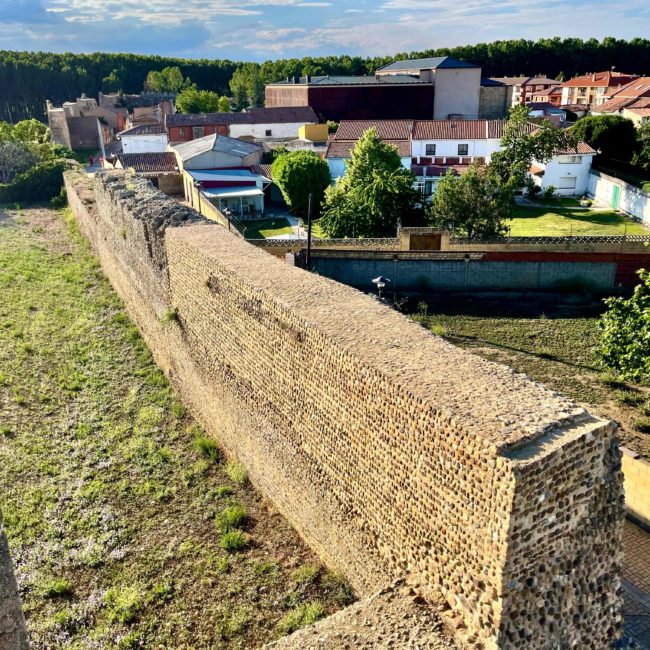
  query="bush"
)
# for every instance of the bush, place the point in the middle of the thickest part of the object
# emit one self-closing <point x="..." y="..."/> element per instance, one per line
<point x="233" y="540"/>
<point x="237" y="473"/>
<point x="123" y="604"/>
<point x="548" y="193"/>
<point x="231" y="518"/>
<point x="624" y="344"/>
<point x="207" y="447"/>
<point x="40" y="183"/>
<point x="301" y="616"/>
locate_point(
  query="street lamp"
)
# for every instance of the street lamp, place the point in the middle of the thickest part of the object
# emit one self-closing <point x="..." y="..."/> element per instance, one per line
<point x="380" y="283"/>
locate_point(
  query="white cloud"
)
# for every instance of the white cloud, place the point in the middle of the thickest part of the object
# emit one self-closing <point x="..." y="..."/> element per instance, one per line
<point x="314" y="4"/>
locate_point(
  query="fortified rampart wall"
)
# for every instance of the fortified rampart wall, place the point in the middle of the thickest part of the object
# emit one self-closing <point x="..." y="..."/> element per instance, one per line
<point x="391" y="451"/>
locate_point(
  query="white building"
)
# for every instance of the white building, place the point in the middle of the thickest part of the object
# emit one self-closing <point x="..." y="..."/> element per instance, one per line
<point x="568" y="172"/>
<point x="144" y="138"/>
<point x="430" y="148"/>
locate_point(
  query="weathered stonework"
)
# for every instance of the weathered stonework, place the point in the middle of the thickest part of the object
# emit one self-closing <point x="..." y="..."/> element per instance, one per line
<point x="391" y="451"/>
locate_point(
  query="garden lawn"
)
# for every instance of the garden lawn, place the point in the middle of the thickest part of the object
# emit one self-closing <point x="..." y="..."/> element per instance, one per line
<point x="550" y="338"/>
<point x="127" y="527"/>
<point x="265" y="228"/>
<point x="547" y="222"/>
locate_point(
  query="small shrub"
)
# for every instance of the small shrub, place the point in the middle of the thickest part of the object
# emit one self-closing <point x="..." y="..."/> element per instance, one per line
<point x="306" y="574"/>
<point x="178" y="410"/>
<point x="237" y="473"/>
<point x="642" y="424"/>
<point x="337" y="588"/>
<point x="234" y="623"/>
<point x="169" y="316"/>
<point x="438" y="329"/>
<point x="611" y="380"/>
<point x="56" y="588"/>
<point x="301" y="616"/>
<point x="548" y="193"/>
<point x="233" y="540"/>
<point x="629" y="397"/>
<point x="231" y="518"/>
<point x="123" y="604"/>
<point x="163" y="591"/>
<point x="224" y="491"/>
<point x="207" y="447"/>
<point x="6" y="431"/>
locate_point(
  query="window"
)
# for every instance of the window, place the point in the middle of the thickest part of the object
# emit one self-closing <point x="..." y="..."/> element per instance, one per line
<point x="181" y="132"/>
<point x="570" y="160"/>
<point x="428" y="188"/>
<point x="268" y="133"/>
<point x="431" y="150"/>
<point x="463" y="149"/>
<point x="567" y="183"/>
<point x="198" y="131"/>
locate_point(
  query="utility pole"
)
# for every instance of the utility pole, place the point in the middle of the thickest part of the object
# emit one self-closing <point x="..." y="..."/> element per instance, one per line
<point x="309" y="233"/>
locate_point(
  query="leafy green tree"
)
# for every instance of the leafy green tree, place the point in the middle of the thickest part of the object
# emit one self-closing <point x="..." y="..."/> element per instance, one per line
<point x="522" y="143"/>
<point x="30" y="131"/>
<point x="192" y="100"/>
<point x="247" y="86"/>
<point x="224" y="104"/>
<point x="168" y="80"/>
<point x="15" y="159"/>
<point x="614" y="136"/>
<point x="474" y="204"/>
<point x="299" y="174"/>
<point x="111" y="83"/>
<point x="375" y="196"/>
<point x="624" y="344"/>
<point x="642" y="157"/>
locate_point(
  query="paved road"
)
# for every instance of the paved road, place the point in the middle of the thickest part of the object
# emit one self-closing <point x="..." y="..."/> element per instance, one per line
<point x="636" y="584"/>
<point x="13" y="633"/>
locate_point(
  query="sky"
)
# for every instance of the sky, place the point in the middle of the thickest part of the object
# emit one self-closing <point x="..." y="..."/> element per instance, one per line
<point x="257" y="30"/>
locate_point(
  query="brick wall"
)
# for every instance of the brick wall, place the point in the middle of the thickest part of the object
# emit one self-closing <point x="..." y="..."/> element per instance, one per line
<point x="391" y="451"/>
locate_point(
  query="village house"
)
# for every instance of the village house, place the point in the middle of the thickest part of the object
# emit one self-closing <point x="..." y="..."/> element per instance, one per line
<point x="632" y="101"/>
<point x="595" y="88"/>
<point x="226" y="171"/>
<point x="252" y="124"/>
<point x="161" y="168"/>
<point x="432" y="148"/>
<point x="144" y="138"/>
<point x="522" y="89"/>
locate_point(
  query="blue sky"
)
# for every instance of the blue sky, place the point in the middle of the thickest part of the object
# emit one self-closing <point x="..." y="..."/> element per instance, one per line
<point x="267" y="29"/>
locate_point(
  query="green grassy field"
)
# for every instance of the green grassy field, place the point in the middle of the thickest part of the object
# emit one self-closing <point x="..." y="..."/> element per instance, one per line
<point x="545" y="222"/>
<point x="265" y="228"/>
<point x="127" y="527"/>
<point x="550" y="338"/>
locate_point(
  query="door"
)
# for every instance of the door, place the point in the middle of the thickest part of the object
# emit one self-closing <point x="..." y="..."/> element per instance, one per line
<point x="616" y="195"/>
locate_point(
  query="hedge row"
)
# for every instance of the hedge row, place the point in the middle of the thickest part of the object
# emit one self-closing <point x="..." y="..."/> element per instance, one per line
<point x="40" y="183"/>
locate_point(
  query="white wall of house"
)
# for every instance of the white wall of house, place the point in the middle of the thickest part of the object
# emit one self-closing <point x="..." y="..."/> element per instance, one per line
<point x="478" y="148"/>
<point x="262" y="131"/>
<point x="457" y="91"/>
<point x="145" y="143"/>
<point x="337" y="166"/>
<point x="569" y="175"/>
<point x="628" y="198"/>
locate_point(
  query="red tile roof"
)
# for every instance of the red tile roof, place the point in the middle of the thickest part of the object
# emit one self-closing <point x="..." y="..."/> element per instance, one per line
<point x="606" y="79"/>
<point x="144" y="163"/>
<point x="342" y="148"/>
<point x="144" y="129"/>
<point x="386" y="129"/>
<point x="581" y="148"/>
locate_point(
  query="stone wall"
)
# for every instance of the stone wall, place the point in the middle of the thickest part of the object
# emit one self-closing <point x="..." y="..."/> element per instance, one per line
<point x="391" y="451"/>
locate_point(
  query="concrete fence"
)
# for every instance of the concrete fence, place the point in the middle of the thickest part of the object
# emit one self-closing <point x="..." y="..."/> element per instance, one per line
<point x="391" y="451"/>
<point x="619" y="195"/>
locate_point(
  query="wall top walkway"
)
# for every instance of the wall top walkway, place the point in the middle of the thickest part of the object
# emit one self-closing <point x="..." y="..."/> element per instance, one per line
<point x="503" y="407"/>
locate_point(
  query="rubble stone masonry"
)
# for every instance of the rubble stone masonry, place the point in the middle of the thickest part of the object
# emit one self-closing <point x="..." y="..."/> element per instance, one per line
<point x="391" y="451"/>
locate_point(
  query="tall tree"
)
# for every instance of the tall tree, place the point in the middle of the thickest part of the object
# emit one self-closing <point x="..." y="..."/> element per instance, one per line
<point x="375" y="196"/>
<point x="224" y="104"/>
<point x="192" y="100"/>
<point x="524" y="142"/>
<point x="474" y="204"/>
<point x="167" y="80"/>
<point x="299" y="174"/>
<point x="642" y="157"/>
<point x="614" y="136"/>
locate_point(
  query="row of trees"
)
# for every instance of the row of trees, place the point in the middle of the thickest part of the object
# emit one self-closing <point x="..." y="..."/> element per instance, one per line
<point x="27" y="79"/>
